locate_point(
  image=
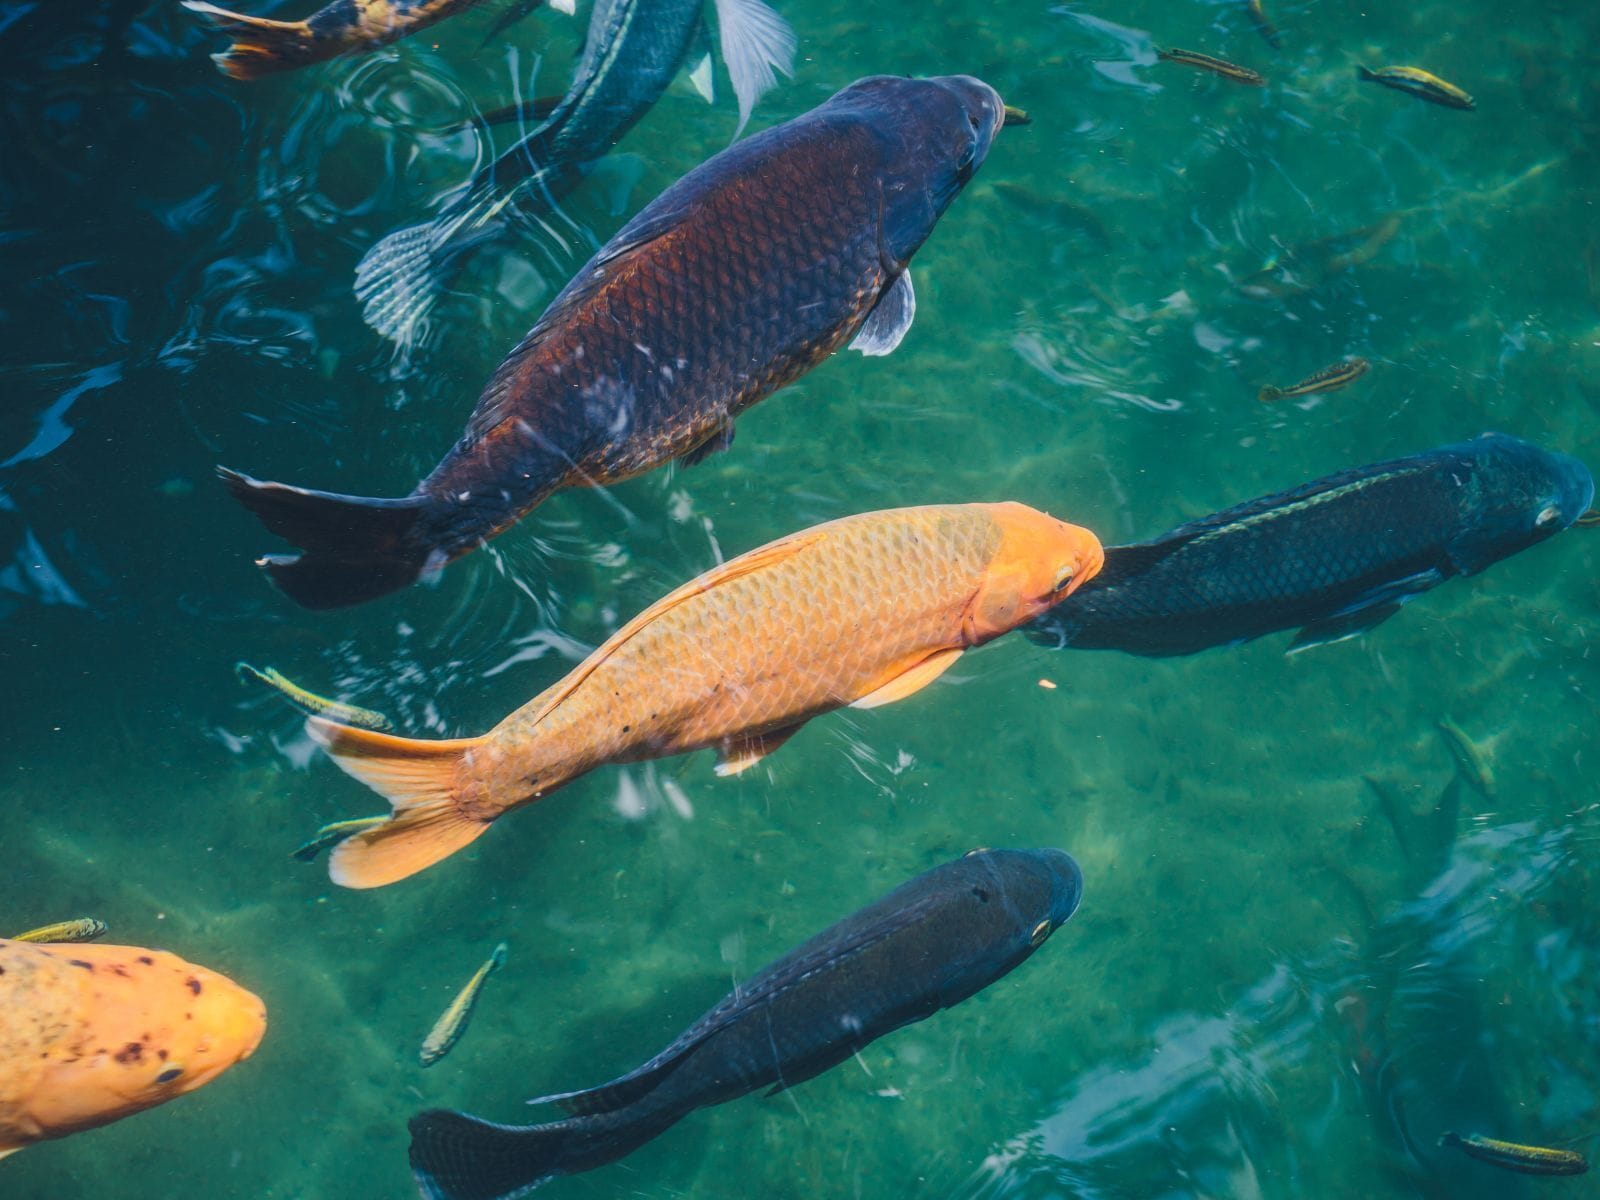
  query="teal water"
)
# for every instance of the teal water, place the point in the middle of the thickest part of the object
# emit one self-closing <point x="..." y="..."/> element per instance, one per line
<point x="1260" y="994"/>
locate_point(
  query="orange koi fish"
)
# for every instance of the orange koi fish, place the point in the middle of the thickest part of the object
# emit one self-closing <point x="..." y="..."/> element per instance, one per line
<point x="860" y="611"/>
<point x="262" y="46"/>
<point x="92" y="1034"/>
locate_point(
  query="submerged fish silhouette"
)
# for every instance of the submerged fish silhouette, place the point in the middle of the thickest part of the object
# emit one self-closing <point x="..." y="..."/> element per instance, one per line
<point x="929" y="944"/>
<point x="632" y="51"/>
<point x="736" y="280"/>
<point x="1335" y="556"/>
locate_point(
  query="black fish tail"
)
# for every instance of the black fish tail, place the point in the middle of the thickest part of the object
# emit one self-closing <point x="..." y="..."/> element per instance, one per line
<point x="355" y="548"/>
<point x="458" y="1157"/>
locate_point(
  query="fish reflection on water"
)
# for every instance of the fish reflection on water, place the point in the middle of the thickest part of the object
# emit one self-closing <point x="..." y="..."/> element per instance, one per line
<point x="1396" y="1020"/>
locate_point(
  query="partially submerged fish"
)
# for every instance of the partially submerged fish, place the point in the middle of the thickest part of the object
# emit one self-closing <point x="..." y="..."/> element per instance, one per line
<point x="738" y="279"/>
<point x="1217" y="66"/>
<point x="1421" y="83"/>
<point x="83" y="929"/>
<point x="632" y="51"/>
<point x="262" y="46"/>
<point x="310" y="702"/>
<point x="1264" y="25"/>
<point x="452" y="1023"/>
<point x="1335" y="556"/>
<point x="1470" y="758"/>
<point x="332" y="834"/>
<point x="1342" y="373"/>
<point x="1305" y="266"/>
<point x="861" y="611"/>
<point x="1514" y="1156"/>
<point x="929" y="944"/>
<point x="92" y="1034"/>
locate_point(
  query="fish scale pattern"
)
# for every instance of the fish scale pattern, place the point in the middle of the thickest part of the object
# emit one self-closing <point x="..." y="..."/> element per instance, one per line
<point x="734" y="282"/>
<point x="861" y="599"/>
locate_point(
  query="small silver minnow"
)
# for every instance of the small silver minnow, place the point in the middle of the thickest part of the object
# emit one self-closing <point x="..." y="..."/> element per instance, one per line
<point x="84" y="929"/>
<point x="332" y="834"/>
<point x="1515" y="1156"/>
<point x="452" y="1023"/>
<point x="310" y="702"/>
<point x="1472" y="762"/>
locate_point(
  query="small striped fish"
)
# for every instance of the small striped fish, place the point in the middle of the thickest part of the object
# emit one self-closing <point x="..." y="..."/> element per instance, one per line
<point x="84" y="929"/>
<point x="1513" y="1156"/>
<point x="310" y="702"/>
<point x="1217" y="66"/>
<point x="452" y="1023"/>
<point x="1264" y="25"/>
<point x="1470" y="758"/>
<point x="332" y="834"/>
<point x="1420" y="83"/>
<point x="1330" y="378"/>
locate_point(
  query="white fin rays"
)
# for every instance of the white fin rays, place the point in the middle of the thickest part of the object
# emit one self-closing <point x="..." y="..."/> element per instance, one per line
<point x="886" y="325"/>
<point x="756" y="43"/>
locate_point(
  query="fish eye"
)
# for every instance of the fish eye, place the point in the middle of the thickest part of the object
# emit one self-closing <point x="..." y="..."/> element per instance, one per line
<point x="1547" y="514"/>
<point x="1040" y="932"/>
<point x="1063" y="577"/>
<point x="169" y="1074"/>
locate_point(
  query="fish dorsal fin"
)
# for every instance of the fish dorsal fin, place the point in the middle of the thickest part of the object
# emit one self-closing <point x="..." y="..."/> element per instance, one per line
<point x="755" y="40"/>
<point x="740" y="754"/>
<point x="886" y="325"/>
<point x="911" y="680"/>
<point x="760" y="559"/>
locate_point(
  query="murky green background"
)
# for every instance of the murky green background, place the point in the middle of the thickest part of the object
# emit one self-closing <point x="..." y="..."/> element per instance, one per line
<point x="1261" y="995"/>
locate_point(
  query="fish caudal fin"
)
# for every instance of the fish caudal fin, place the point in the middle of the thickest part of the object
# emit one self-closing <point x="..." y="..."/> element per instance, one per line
<point x="419" y="778"/>
<point x="457" y="1157"/>
<point x="357" y="548"/>
<point x="260" y="46"/>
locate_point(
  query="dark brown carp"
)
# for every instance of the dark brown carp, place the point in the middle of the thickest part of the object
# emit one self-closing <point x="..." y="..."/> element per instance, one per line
<point x="735" y="281"/>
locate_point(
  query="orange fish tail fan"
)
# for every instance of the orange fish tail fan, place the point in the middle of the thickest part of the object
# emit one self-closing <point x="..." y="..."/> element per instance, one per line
<point x="419" y="778"/>
<point x="260" y="46"/>
<point x="357" y="548"/>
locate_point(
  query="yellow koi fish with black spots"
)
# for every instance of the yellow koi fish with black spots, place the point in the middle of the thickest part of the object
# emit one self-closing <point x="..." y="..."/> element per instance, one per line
<point x="92" y="1034"/>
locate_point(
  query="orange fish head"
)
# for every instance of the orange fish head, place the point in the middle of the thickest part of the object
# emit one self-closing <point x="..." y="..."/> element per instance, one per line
<point x="1040" y="562"/>
<point x="148" y="1027"/>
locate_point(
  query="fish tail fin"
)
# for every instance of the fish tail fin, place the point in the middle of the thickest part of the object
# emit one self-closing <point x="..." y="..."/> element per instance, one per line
<point x="419" y="778"/>
<point x="1269" y="393"/>
<point x="458" y="1157"/>
<point x="260" y="46"/>
<point x="402" y="276"/>
<point x="356" y="548"/>
<point x="1362" y="72"/>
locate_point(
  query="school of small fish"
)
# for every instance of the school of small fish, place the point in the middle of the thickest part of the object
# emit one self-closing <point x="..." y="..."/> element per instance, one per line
<point x="774" y="254"/>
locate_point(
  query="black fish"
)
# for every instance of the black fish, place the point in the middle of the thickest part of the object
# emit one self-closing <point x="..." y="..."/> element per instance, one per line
<point x="927" y="945"/>
<point x="738" y="279"/>
<point x="1335" y="556"/>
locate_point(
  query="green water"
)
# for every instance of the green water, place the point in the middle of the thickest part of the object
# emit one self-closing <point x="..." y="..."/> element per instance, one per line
<point x="1256" y="973"/>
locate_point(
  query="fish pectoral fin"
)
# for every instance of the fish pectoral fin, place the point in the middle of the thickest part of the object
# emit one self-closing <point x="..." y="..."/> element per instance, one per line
<point x="701" y="75"/>
<point x="1372" y="610"/>
<point x="909" y="681"/>
<point x="1342" y="628"/>
<point x="720" y="439"/>
<point x="740" y="754"/>
<point x="887" y="323"/>
<point x="755" y="40"/>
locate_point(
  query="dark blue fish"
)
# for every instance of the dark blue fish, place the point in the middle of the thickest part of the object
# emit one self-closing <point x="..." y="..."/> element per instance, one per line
<point x="927" y="945"/>
<point x="632" y="51"/>
<point x="1333" y="557"/>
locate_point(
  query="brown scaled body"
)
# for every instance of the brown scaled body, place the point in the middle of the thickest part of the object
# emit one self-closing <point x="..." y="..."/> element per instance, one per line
<point x="736" y="280"/>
